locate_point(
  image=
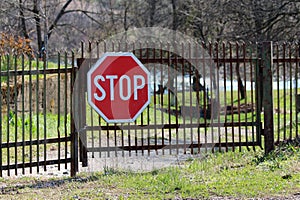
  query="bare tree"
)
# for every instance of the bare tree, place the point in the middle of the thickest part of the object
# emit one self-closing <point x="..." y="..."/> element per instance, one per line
<point x="70" y="21"/>
<point x="263" y="20"/>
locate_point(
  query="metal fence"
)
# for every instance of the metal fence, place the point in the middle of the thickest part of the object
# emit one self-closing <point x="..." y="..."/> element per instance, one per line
<point x="286" y="90"/>
<point x="204" y="101"/>
<point x="205" y="98"/>
<point x="35" y="114"/>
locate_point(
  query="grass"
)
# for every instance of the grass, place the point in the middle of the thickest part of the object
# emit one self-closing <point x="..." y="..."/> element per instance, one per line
<point x="158" y="111"/>
<point x="238" y="175"/>
<point x="30" y="126"/>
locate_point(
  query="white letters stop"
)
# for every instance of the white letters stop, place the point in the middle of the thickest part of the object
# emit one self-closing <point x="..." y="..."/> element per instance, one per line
<point x="124" y="85"/>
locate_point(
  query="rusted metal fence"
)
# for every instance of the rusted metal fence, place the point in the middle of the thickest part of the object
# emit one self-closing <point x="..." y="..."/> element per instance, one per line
<point x="205" y="98"/>
<point x="35" y="114"/>
<point x="204" y="102"/>
<point x="286" y="90"/>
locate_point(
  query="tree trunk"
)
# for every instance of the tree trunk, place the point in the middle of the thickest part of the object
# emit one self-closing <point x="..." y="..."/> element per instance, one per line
<point x="23" y="24"/>
<point x="175" y="17"/>
<point x="37" y="19"/>
<point x="152" y="12"/>
<point x="22" y="19"/>
<point x="241" y="86"/>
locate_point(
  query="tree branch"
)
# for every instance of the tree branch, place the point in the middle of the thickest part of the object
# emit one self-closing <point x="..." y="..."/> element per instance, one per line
<point x="58" y="17"/>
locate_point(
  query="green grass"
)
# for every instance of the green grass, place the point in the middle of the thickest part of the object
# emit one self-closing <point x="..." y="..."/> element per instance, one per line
<point x="159" y="106"/>
<point x="238" y="175"/>
<point x="30" y="126"/>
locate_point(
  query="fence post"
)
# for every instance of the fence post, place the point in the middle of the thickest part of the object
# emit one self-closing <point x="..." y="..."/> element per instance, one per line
<point x="74" y="133"/>
<point x="83" y="152"/>
<point x="267" y="103"/>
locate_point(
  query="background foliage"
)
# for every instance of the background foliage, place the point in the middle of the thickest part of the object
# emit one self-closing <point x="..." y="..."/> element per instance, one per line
<point x="62" y="24"/>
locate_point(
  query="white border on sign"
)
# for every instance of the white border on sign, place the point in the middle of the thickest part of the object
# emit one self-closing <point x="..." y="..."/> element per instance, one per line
<point x="96" y="65"/>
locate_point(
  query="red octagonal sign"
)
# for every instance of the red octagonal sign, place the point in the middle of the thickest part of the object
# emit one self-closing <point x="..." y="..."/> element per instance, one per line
<point x="118" y="87"/>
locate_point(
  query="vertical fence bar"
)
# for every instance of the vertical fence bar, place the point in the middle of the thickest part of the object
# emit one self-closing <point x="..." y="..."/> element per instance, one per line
<point x="45" y="110"/>
<point x="290" y="91"/>
<point x="82" y="63"/>
<point x="297" y="47"/>
<point x="1" y="119"/>
<point x="205" y="95"/>
<point x="190" y="92"/>
<point x="135" y="127"/>
<point x="135" y="122"/>
<point x="74" y="132"/>
<point x="23" y="114"/>
<point x="66" y="97"/>
<point x="15" y="113"/>
<point x="239" y="91"/>
<point x="154" y="94"/>
<point x="128" y="131"/>
<point x="183" y="103"/>
<point x="37" y="96"/>
<point x="91" y="110"/>
<point x="30" y="115"/>
<point x="148" y="114"/>
<point x="251" y="96"/>
<point x="58" y="107"/>
<point x="99" y="118"/>
<point x="225" y="93"/>
<point x="217" y="64"/>
<point x="231" y="94"/>
<point x="176" y="100"/>
<point x="9" y="117"/>
<point x="100" y="135"/>
<point x="278" y="92"/>
<point x="195" y="73"/>
<point x="284" y="91"/>
<point x="107" y="125"/>
<point x="170" y="87"/>
<point x="161" y="96"/>
<point x="81" y="109"/>
<point x="267" y="61"/>
<point x="107" y="140"/>
<point x="115" y="138"/>
<point x="211" y="99"/>
<point x="258" y="91"/>
<point x="246" y="94"/>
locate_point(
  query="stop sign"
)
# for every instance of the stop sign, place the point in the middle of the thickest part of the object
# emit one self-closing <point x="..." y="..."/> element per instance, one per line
<point x="118" y="87"/>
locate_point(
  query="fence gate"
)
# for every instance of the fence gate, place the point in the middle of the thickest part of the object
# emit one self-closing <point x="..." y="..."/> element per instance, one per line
<point x="35" y="115"/>
<point x="199" y="103"/>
